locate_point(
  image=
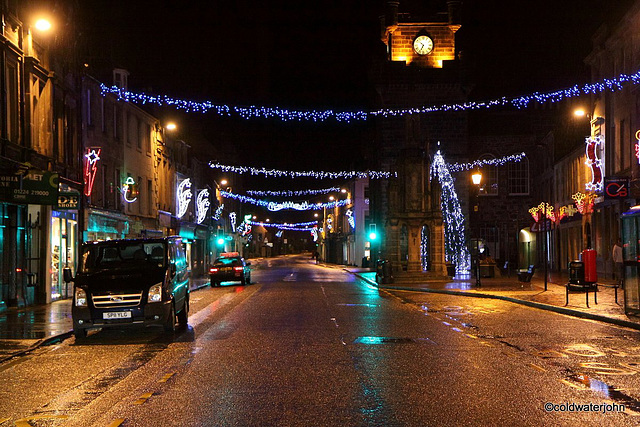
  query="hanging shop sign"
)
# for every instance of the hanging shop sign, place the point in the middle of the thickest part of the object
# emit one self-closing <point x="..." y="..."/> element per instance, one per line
<point x="616" y="188"/>
<point x="68" y="201"/>
<point x="37" y="188"/>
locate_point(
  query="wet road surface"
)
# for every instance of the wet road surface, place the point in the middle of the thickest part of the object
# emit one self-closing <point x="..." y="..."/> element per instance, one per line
<point x="312" y="345"/>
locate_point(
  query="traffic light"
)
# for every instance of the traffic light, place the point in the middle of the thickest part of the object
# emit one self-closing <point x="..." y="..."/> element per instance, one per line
<point x="373" y="235"/>
<point x="220" y="240"/>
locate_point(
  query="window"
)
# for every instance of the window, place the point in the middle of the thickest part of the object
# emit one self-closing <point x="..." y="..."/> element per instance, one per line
<point x="117" y="123"/>
<point x="11" y="107"/>
<point x="103" y="124"/>
<point x="146" y="137"/>
<point x="149" y="197"/>
<point x="489" y="183"/>
<point x="519" y="177"/>
<point x="89" y="100"/>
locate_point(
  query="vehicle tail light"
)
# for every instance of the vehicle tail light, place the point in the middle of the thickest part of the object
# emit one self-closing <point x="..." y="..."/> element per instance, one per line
<point x="213" y="270"/>
<point x="238" y="268"/>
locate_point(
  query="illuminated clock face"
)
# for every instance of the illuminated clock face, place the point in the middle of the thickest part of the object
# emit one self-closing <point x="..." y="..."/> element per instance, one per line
<point x="423" y="45"/>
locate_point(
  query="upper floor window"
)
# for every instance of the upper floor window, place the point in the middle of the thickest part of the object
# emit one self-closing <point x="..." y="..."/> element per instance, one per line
<point x="519" y="177"/>
<point x="489" y="183"/>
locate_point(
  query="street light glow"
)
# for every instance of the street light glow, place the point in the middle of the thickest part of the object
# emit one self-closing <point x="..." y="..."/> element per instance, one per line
<point x="43" y="25"/>
<point x="579" y="113"/>
<point x="476" y="178"/>
<point x="171" y="126"/>
<point x="224" y="182"/>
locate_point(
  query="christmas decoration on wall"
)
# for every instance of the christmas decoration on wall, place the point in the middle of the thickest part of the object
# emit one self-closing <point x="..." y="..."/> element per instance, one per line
<point x="202" y="205"/>
<point x="547" y="210"/>
<point x="232" y="220"/>
<point x="457" y="167"/>
<point x="301" y="174"/>
<point x="291" y="193"/>
<point x="284" y="114"/>
<point x="128" y="190"/>
<point x="456" y="250"/>
<point x="184" y="197"/>
<point x="279" y="233"/>
<point x="593" y="146"/>
<point x="278" y="206"/>
<point x="351" y="218"/>
<point x="637" y="146"/>
<point x="91" y="158"/>
<point x="584" y="202"/>
<point x="218" y="214"/>
<point x="314" y="234"/>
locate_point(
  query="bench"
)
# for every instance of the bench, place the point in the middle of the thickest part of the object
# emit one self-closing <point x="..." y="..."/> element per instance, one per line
<point x="579" y="288"/>
<point x="526" y="275"/>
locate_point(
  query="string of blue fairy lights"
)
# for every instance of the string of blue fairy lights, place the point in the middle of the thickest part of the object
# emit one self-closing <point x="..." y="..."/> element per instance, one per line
<point x="262" y="112"/>
<point x="287" y="205"/>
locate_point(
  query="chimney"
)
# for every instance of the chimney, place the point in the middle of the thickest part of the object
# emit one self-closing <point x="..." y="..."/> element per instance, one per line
<point x="121" y="78"/>
<point x="454" y="8"/>
<point x="389" y="20"/>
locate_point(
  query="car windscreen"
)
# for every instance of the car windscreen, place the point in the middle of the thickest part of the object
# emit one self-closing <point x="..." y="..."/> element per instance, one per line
<point x="228" y="262"/>
<point x="129" y="255"/>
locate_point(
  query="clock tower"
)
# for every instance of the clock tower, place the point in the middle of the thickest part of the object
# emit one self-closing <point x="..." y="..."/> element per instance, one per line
<point x="419" y="69"/>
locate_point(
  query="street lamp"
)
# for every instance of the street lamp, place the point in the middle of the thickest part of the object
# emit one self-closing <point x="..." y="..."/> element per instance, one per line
<point x="43" y="24"/>
<point x="476" y="178"/>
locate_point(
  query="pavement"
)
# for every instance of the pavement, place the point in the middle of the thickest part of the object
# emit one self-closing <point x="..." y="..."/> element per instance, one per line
<point x="24" y="329"/>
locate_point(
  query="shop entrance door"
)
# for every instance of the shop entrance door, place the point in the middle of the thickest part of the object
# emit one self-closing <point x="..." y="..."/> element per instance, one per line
<point x="630" y="253"/>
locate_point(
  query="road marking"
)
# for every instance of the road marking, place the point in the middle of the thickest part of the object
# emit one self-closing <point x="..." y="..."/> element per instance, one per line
<point x="143" y="398"/>
<point x="166" y="377"/>
<point x="24" y="422"/>
<point x="116" y="423"/>
<point x="539" y="368"/>
<point x="472" y="336"/>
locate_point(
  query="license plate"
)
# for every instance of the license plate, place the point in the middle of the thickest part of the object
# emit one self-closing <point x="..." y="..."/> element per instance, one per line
<point x="117" y="315"/>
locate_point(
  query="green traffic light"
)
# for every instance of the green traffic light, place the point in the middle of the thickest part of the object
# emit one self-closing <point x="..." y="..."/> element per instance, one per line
<point x="373" y="236"/>
<point x="220" y="241"/>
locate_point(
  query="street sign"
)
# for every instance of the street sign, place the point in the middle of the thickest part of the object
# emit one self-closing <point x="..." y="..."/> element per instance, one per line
<point x="36" y="187"/>
<point x="541" y="226"/>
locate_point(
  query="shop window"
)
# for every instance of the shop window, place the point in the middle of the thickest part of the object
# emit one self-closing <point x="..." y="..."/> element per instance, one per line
<point x="11" y="109"/>
<point x="519" y="177"/>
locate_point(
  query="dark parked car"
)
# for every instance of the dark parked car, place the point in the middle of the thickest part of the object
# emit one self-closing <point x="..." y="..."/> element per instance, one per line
<point x="230" y="267"/>
<point x="130" y="282"/>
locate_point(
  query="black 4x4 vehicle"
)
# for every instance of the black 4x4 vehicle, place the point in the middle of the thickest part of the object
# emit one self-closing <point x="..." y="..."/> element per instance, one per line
<point x="130" y="282"/>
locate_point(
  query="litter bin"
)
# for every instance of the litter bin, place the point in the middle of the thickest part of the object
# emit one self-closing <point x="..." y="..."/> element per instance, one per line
<point x="451" y="269"/>
<point x="383" y="271"/>
<point x="576" y="273"/>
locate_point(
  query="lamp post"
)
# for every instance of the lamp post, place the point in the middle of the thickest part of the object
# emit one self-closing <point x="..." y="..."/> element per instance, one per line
<point x="476" y="178"/>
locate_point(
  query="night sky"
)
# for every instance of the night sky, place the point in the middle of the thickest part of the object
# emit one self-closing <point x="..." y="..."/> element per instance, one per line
<point x="314" y="55"/>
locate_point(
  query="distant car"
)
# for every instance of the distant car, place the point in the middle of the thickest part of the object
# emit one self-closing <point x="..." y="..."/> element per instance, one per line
<point x="230" y="267"/>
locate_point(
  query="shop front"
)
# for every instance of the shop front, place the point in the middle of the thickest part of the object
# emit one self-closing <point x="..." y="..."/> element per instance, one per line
<point x="106" y="225"/>
<point x="631" y="255"/>
<point x="64" y="243"/>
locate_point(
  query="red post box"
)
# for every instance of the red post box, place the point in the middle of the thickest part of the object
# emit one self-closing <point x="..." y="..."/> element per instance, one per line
<point x="589" y="260"/>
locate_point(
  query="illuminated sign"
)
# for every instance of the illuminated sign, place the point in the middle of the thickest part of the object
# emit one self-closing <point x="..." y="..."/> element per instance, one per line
<point x="593" y="147"/>
<point x="638" y="146"/>
<point x="184" y="196"/>
<point x="128" y="190"/>
<point x="616" y="188"/>
<point x="91" y="158"/>
<point x="202" y="205"/>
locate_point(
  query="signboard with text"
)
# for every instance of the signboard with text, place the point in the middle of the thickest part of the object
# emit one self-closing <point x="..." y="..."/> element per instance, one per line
<point x="35" y="187"/>
<point x="616" y="188"/>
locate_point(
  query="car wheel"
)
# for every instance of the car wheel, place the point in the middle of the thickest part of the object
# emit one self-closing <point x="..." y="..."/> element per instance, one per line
<point x="79" y="333"/>
<point x="183" y="316"/>
<point x="170" y="323"/>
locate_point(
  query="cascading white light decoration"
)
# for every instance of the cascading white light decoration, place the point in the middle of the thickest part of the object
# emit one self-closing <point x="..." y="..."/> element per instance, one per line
<point x="456" y="250"/>
<point x="202" y="205"/>
<point x="218" y="214"/>
<point x="314" y="233"/>
<point x="457" y="167"/>
<point x="302" y="174"/>
<point x="292" y="193"/>
<point x="278" y="206"/>
<point x="279" y="233"/>
<point x="184" y="196"/>
<point x="351" y="218"/>
<point x="285" y="114"/>
<point x="232" y="220"/>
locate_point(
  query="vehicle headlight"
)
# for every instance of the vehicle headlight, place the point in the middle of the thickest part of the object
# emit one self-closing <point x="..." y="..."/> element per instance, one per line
<point x="155" y="293"/>
<point x="81" y="298"/>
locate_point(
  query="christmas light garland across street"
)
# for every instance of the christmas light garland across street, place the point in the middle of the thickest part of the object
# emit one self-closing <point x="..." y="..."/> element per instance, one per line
<point x="457" y="167"/>
<point x="301" y="174"/>
<point x="301" y="226"/>
<point x="251" y="112"/>
<point x="278" y="206"/>
<point x="292" y="193"/>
